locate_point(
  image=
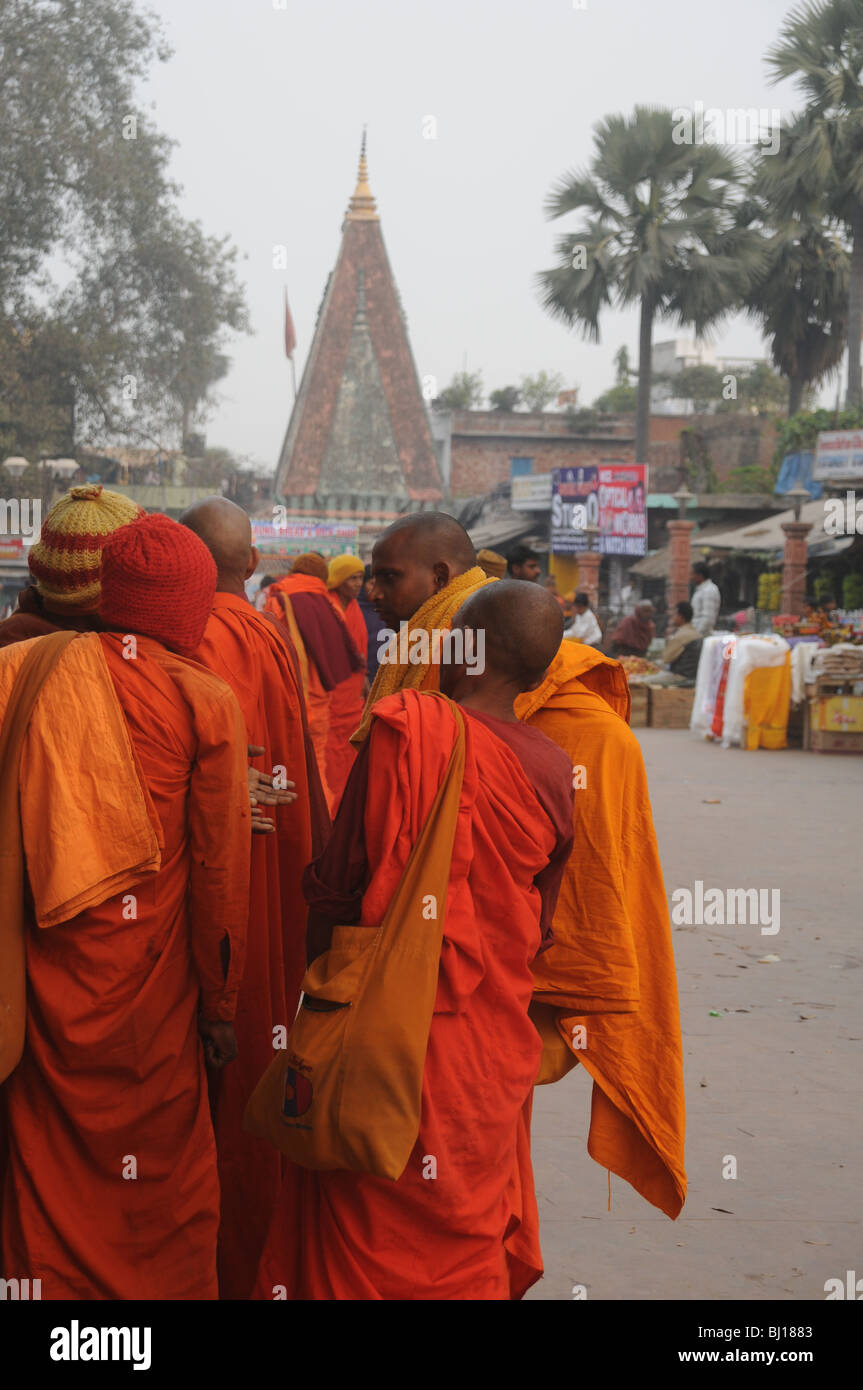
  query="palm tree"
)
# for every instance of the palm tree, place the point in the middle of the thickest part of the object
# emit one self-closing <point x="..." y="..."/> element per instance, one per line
<point x="659" y="230"/>
<point x="821" y="164"/>
<point x="801" y="296"/>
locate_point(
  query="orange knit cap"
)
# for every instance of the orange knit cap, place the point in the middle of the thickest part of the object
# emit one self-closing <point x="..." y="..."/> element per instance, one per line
<point x="65" y="560"/>
<point x="314" y="565"/>
<point x="158" y="578"/>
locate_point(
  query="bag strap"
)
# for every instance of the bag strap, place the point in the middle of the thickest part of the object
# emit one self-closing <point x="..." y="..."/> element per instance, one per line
<point x="440" y="822"/>
<point x="26" y="688"/>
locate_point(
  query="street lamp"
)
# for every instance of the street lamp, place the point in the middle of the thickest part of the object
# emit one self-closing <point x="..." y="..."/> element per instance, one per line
<point x="797" y="497"/>
<point x="591" y="531"/>
<point x="683" y="497"/>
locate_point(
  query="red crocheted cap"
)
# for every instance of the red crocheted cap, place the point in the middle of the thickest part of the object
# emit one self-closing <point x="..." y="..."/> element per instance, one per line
<point x="158" y="579"/>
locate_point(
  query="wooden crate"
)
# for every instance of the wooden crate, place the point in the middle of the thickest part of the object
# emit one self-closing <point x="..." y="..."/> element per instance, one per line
<point x="826" y="741"/>
<point x="638" y="712"/>
<point x="670" y="706"/>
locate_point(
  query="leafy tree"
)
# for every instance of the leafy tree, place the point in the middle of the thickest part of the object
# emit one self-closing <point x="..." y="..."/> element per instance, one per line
<point x="621" y="366"/>
<point x="113" y="308"/>
<point x="700" y="383"/>
<point x="79" y="155"/>
<point x="800" y="433"/>
<point x="582" y="420"/>
<point x="465" y="392"/>
<point x="659" y="230"/>
<point x="539" y="391"/>
<point x="801" y="296"/>
<point x="617" y="400"/>
<point x="506" y="398"/>
<point x="150" y="321"/>
<point x="821" y="163"/>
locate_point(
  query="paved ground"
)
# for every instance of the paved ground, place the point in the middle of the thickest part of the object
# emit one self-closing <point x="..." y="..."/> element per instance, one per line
<point x="775" y="1080"/>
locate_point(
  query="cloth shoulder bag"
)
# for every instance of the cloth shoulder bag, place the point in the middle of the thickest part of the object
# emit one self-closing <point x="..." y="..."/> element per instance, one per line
<point x="346" y="1091"/>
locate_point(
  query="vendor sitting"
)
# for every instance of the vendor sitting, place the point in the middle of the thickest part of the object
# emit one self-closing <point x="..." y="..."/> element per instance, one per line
<point x="584" y="626"/>
<point x="633" y="635"/>
<point x="681" y="653"/>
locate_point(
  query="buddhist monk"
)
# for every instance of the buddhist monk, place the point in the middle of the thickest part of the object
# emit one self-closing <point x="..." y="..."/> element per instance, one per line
<point x="64" y="564"/>
<point x="606" y="990"/>
<point x="344" y="582"/>
<point x="634" y="1054"/>
<point x="443" y="1229"/>
<point x="132" y="770"/>
<point x="423" y="568"/>
<point x="245" y="648"/>
<point x="324" y="647"/>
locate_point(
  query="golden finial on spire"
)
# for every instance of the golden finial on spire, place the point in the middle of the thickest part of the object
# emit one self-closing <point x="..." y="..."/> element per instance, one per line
<point x="362" y="207"/>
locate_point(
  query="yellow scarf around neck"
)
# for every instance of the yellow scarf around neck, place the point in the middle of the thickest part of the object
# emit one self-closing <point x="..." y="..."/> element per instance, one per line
<point x="436" y="613"/>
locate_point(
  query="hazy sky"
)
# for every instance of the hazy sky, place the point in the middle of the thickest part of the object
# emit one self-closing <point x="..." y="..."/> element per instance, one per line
<point x="267" y="105"/>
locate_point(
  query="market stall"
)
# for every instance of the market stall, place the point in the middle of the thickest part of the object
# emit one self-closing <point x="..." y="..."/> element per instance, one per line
<point x="655" y="706"/>
<point x="743" y="690"/>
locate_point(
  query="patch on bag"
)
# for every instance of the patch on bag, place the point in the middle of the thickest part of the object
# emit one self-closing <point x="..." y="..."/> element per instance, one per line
<point x="297" y="1094"/>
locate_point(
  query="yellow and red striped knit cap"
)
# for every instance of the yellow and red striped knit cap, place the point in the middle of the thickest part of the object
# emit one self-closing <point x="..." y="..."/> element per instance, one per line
<point x="65" y="560"/>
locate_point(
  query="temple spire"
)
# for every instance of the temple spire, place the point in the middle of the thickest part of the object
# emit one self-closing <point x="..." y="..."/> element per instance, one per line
<point x="362" y="206"/>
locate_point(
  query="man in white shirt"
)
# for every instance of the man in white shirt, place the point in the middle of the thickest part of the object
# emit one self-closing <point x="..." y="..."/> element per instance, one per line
<point x="706" y="600"/>
<point x="585" y="627"/>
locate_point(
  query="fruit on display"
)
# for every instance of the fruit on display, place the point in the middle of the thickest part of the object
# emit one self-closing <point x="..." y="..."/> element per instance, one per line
<point x="770" y="591"/>
<point x="635" y="666"/>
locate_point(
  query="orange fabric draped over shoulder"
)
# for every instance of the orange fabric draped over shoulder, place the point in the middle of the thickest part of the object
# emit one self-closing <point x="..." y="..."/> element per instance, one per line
<point x="111" y="1190"/>
<point x="317" y="698"/>
<point x="346" y="702"/>
<point x="611" y="968"/>
<point x="443" y="1230"/>
<point x="246" y="650"/>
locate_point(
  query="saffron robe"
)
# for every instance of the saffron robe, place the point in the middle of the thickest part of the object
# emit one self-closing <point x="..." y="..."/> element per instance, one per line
<point x="245" y="649"/>
<point x="610" y="968"/>
<point x="31" y="619"/>
<point x="442" y="1230"/>
<point x="325" y="651"/>
<point x="346" y="702"/>
<point x="111" y="1190"/>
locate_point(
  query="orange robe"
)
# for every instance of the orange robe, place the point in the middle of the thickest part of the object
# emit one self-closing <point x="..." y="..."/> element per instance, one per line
<point x="346" y="703"/>
<point x="112" y="1190"/>
<point x="442" y="1230"/>
<point x="331" y="658"/>
<point x="610" y="970"/>
<point x="245" y="649"/>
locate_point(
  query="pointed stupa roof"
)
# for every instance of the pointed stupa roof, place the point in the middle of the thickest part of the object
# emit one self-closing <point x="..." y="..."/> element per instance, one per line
<point x="359" y="426"/>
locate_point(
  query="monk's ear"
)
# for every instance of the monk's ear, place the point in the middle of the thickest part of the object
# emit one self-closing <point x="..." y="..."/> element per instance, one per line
<point x="442" y="573"/>
<point x="253" y="563"/>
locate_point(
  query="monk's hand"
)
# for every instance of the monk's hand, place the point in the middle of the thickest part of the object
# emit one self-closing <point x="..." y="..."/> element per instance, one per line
<point x="266" y="790"/>
<point x="220" y="1042"/>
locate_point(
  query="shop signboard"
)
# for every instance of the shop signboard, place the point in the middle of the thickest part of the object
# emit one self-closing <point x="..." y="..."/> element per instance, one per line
<point x="293" y="536"/>
<point x="531" y="493"/>
<point x="839" y="455"/>
<point x="611" y="496"/>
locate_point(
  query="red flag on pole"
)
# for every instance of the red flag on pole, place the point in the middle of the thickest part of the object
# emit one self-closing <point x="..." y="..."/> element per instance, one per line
<point x="290" y="335"/>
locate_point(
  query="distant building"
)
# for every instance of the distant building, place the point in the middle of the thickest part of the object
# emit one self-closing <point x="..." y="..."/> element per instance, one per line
<point x="673" y="357"/>
<point x="358" y="445"/>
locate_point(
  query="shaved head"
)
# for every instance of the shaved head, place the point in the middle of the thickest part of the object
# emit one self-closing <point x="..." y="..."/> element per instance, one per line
<point x="414" y="558"/>
<point x="226" y="531"/>
<point x="523" y="625"/>
<point x="433" y="536"/>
